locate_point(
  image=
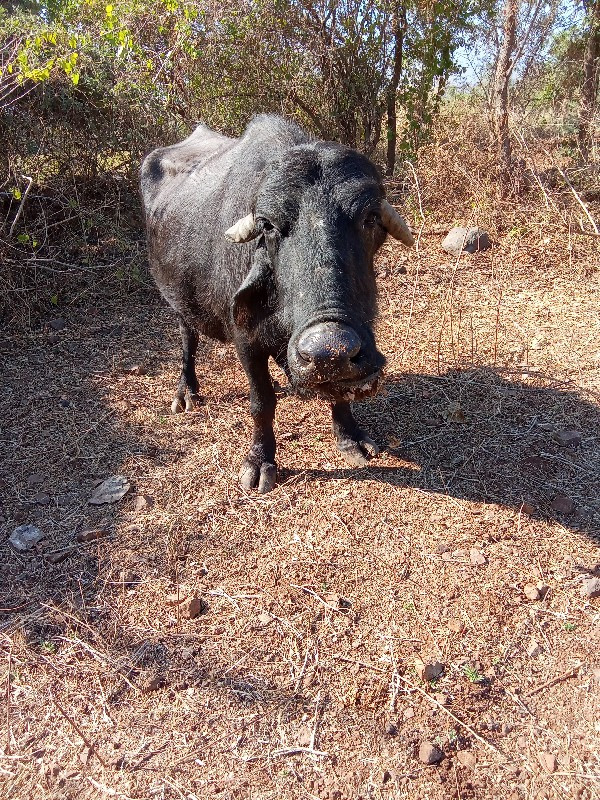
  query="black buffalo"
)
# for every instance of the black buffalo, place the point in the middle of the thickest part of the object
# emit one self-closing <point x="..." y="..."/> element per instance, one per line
<point x="267" y="241"/>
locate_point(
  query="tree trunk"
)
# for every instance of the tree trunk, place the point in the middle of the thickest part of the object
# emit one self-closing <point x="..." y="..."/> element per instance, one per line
<point x="392" y="90"/>
<point x="591" y="78"/>
<point x="504" y="69"/>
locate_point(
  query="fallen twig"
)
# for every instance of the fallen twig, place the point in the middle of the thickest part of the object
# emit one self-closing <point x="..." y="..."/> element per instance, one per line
<point x="465" y="725"/>
<point x="78" y="730"/>
<point x="572" y="673"/>
<point x="306" y="590"/>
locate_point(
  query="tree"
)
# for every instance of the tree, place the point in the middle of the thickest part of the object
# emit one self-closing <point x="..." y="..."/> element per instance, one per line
<point x="591" y="76"/>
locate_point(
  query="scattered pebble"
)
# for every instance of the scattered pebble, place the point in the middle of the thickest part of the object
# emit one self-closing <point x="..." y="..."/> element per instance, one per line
<point x="92" y="535"/>
<point x="533" y="592"/>
<point x="41" y="498"/>
<point x="408" y="712"/>
<point x="134" y="369"/>
<point x="110" y="490"/>
<point x="528" y="508"/>
<point x="591" y="587"/>
<point x="57" y="324"/>
<point x="548" y="761"/>
<point x="36" y="479"/>
<point x="391" y="729"/>
<point x="142" y="503"/>
<point x="429" y="753"/>
<point x="25" y="537"/>
<point x="533" y="649"/>
<point x="466" y="758"/>
<point x="429" y="672"/>
<point x="265" y="618"/>
<point x="56" y="558"/>
<point x="128" y="579"/>
<point x="477" y="557"/>
<point x="567" y="438"/>
<point x="455" y="625"/>
<point x="562" y="504"/>
<point x="506" y="728"/>
<point x="194" y="607"/>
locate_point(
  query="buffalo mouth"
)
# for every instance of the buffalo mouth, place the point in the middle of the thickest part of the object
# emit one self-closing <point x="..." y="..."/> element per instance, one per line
<point x="342" y="390"/>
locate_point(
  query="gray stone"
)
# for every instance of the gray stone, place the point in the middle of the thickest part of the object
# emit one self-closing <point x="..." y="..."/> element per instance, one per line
<point x="429" y="753"/>
<point x="591" y="587"/>
<point x="468" y="240"/>
<point x="25" y="537"/>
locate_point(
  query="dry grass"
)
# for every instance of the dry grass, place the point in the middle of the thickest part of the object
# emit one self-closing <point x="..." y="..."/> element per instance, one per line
<point x="281" y="689"/>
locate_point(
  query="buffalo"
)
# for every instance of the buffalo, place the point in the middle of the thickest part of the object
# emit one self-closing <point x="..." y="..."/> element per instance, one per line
<point x="267" y="241"/>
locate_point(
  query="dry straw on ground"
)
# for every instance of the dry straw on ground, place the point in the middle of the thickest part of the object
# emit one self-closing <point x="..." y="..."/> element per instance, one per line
<point x="297" y="678"/>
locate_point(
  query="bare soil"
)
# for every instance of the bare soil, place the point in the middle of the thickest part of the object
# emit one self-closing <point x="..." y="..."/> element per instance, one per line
<point x="322" y="602"/>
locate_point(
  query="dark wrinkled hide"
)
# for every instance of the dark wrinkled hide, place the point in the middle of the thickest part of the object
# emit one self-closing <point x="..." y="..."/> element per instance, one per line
<point x="303" y="291"/>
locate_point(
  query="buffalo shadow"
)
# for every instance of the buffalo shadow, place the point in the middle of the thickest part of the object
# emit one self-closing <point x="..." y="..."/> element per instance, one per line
<point x="523" y="441"/>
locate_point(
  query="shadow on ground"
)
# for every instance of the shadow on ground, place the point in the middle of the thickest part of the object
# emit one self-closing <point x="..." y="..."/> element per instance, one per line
<point x="481" y="436"/>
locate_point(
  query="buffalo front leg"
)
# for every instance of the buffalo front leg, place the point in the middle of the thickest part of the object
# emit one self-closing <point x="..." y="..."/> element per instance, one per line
<point x="186" y="395"/>
<point x="353" y="443"/>
<point x="258" y="470"/>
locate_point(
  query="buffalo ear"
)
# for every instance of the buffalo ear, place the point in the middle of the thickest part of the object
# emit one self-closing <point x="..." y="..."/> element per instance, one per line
<point x="255" y="300"/>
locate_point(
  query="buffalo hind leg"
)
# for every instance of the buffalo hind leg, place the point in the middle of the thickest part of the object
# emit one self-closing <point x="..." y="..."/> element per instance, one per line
<point x="353" y="443"/>
<point x="186" y="395"/>
<point x="258" y="470"/>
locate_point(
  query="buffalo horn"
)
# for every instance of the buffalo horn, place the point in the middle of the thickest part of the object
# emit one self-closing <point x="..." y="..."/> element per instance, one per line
<point x="395" y="225"/>
<point x="244" y="230"/>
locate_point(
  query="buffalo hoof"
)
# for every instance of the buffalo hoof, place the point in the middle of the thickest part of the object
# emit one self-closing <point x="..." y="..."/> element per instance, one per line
<point x="190" y="402"/>
<point x="357" y="452"/>
<point x="258" y="476"/>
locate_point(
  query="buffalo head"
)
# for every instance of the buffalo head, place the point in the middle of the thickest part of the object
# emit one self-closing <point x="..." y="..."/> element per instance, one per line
<point x="319" y="217"/>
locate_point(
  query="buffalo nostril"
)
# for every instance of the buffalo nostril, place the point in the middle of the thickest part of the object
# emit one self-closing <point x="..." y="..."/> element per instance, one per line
<point x="329" y="343"/>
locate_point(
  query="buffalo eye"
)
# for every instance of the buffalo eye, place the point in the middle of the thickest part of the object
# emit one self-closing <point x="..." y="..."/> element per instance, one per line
<point x="267" y="227"/>
<point x="371" y="220"/>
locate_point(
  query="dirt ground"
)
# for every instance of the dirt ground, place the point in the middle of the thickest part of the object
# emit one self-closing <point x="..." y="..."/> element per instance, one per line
<point x="349" y="619"/>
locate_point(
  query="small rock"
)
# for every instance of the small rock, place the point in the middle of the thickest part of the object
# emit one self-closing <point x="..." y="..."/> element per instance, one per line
<point x="466" y="758"/>
<point x="429" y="672"/>
<point x="304" y="736"/>
<point x="91" y="535"/>
<point x="562" y="504"/>
<point x="128" y="579"/>
<point x="408" y="712"/>
<point x="142" y="503"/>
<point x="548" y="761"/>
<point x="528" y="508"/>
<point x="56" y="558"/>
<point x="429" y="753"/>
<point x="442" y="548"/>
<point x="36" y="479"/>
<point x="134" y="369"/>
<point x="469" y="240"/>
<point x="455" y="625"/>
<point x="568" y="438"/>
<point x="57" y="324"/>
<point x="194" y="607"/>
<point x="506" y="728"/>
<point x="477" y="557"/>
<point x="64" y="401"/>
<point x="391" y="729"/>
<point x="531" y="592"/>
<point x="591" y="587"/>
<point x="265" y="618"/>
<point x="25" y="537"/>
<point x="110" y="490"/>
<point x="41" y="498"/>
<point x="442" y="698"/>
<point x="533" y="649"/>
